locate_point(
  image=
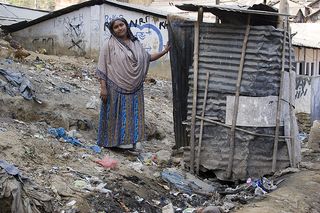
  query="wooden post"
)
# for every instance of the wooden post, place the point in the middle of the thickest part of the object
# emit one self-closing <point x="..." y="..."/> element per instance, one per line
<point x="279" y="105"/>
<point x="236" y="101"/>
<point x="202" y="122"/>
<point x="291" y="109"/>
<point x="195" y="86"/>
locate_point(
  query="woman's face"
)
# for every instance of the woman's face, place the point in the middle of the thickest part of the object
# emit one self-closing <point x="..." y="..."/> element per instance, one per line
<point x="120" y="29"/>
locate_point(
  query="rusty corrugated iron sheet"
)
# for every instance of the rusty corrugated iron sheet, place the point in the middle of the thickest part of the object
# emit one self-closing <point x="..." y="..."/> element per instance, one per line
<point x="220" y="52"/>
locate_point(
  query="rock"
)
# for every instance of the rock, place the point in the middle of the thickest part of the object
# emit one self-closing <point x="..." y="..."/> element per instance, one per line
<point x="210" y="209"/>
<point x="92" y="103"/>
<point x="168" y="208"/>
<point x="163" y="156"/>
<point x="314" y="138"/>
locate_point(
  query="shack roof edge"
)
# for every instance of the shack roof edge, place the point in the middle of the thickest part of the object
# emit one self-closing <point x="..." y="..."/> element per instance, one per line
<point x="54" y="14"/>
<point x="233" y="8"/>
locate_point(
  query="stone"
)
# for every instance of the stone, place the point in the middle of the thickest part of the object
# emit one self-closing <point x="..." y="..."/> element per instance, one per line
<point x="163" y="156"/>
<point x="314" y="138"/>
<point x="168" y="208"/>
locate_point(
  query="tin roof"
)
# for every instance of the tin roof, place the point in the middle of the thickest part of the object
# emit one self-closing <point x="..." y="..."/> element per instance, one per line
<point x="307" y="34"/>
<point x="262" y="10"/>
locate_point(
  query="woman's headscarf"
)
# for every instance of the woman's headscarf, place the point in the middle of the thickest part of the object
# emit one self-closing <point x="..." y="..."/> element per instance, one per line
<point x="129" y="32"/>
<point x="123" y="65"/>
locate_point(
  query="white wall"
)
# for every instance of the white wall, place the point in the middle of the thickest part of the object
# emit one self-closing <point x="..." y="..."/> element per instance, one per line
<point x="83" y="32"/>
<point x="308" y="95"/>
<point x="303" y="94"/>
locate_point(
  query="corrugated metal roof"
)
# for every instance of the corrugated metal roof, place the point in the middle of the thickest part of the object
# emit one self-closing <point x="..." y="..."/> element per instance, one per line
<point x="10" y="14"/>
<point x="219" y="54"/>
<point x="230" y="8"/>
<point x="130" y="7"/>
<point x="307" y="34"/>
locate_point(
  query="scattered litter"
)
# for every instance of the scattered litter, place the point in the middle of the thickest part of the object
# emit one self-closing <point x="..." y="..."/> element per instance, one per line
<point x="168" y="208"/>
<point x="18" y="84"/>
<point x="9" y="168"/>
<point x="189" y="210"/>
<point x="148" y="158"/>
<point x="80" y="184"/>
<point x="21" y="196"/>
<point x="64" y="89"/>
<point x="302" y="136"/>
<point x="92" y="103"/>
<point x="136" y="166"/>
<point x="286" y="171"/>
<point x="3" y="129"/>
<point x="71" y="203"/>
<point x="107" y="162"/>
<point x="186" y="183"/>
<point x="61" y="134"/>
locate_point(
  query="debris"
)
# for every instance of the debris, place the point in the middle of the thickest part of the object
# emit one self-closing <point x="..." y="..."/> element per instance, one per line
<point x="80" y="184"/>
<point x="210" y="209"/>
<point x="286" y="171"/>
<point x="189" y="210"/>
<point x="9" y="168"/>
<point x="186" y="183"/>
<point x="314" y="138"/>
<point x="71" y="203"/>
<point x="60" y="133"/>
<point x="136" y="166"/>
<point x="92" y="103"/>
<point x="148" y="158"/>
<point x="21" y="196"/>
<point x="163" y="156"/>
<point x="3" y="129"/>
<point x="18" y="83"/>
<point x="168" y="208"/>
<point x="107" y="162"/>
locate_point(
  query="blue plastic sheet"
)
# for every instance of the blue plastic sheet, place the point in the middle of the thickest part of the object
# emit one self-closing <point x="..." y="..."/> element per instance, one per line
<point x="61" y="133"/>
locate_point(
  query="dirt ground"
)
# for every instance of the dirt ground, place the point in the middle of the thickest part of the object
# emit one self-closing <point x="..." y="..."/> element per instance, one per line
<point x="63" y="87"/>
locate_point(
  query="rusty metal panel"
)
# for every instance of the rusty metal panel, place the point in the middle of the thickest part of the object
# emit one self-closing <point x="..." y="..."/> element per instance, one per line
<point x="220" y="52"/>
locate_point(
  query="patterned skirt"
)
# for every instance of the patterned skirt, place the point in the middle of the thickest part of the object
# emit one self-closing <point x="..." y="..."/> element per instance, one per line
<point x="121" y="119"/>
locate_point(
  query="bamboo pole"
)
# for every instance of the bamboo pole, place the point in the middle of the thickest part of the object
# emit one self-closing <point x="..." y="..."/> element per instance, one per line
<point x="202" y="121"/>
<point x="236" y="100"/>
<point x="279" y="105"/>
<point x="195" y="86"/>
<point x="291" y="110"/>
<point x="239" y="129"/>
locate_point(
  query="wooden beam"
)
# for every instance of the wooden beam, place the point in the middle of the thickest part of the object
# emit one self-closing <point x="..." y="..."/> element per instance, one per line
<point x="195" y="86"/>
<point x="202" y="121"/>
<point x="236" y="100"/>
<point x="279" y="105"/>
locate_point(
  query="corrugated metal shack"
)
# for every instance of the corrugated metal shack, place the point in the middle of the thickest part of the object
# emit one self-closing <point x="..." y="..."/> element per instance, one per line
<point x="226" y="83"/>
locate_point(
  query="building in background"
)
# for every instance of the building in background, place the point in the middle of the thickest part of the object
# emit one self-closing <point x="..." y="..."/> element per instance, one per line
<point x="10" y="14"/>
<point x="81" y="29"/>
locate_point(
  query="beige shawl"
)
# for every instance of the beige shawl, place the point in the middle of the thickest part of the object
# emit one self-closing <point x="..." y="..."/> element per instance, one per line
<point x="125" y="65"/>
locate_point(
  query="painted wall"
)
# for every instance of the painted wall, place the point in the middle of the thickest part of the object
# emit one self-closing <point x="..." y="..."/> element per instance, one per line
<point x="84" y="31"/>
<point x="308" y="95"/>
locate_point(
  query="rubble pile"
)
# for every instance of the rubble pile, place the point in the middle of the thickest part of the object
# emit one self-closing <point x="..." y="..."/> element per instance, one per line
<point x="49" y="160"/>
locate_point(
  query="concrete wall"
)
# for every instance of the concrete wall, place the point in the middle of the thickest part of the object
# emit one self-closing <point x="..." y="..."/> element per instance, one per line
<point x="84" y="31"/>
<point x="308" y="95"/>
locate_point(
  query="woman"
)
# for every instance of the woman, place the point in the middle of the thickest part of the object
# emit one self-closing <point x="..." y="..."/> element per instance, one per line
<point x="122" y="67"/>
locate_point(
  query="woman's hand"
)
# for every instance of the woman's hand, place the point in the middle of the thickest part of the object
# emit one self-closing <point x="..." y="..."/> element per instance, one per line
<point x="167" y="47"/>
<point x="103" y="92"/>
<point x="156" y="56"/>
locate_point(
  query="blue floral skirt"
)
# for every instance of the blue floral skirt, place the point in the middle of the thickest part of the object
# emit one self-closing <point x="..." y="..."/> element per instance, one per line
<point x="121" y="119"/>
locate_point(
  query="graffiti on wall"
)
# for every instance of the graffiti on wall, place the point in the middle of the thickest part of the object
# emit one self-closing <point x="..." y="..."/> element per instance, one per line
<point x="73" y="32"/>
<point x="43" y="43"/>
<point x="302" y="87"/>
<point x="149" y="34"/>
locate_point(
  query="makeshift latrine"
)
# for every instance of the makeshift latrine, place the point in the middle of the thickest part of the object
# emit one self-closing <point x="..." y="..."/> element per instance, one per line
<point x="229" y="95"/>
